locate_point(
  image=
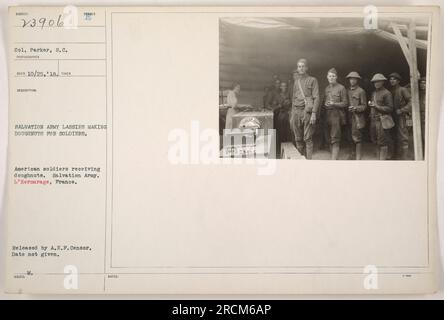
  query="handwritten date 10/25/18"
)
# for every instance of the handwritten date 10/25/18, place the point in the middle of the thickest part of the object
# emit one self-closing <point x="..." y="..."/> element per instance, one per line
<point x="43" y="22"/>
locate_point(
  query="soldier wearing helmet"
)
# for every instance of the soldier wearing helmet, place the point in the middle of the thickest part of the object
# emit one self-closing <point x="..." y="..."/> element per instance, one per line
<point x="357" y="100"/>
<point x="381" y="122"/>
<point x="402" y="104"/>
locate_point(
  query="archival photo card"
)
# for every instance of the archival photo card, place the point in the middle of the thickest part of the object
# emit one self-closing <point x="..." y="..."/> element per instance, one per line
<point x="150" y="150"/>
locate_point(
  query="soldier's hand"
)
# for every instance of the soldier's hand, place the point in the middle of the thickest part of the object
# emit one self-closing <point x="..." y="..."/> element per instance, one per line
<point x="379" y="108"/>
<point x="313" y="118"/>
<point x="352" y="108"/>
<point x="398" y="111"/>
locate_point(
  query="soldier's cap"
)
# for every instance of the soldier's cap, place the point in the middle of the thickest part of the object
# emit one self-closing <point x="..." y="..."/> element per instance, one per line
<point x="378" y="77"/>
<point x="353" y="74"/>
<point x="333" y="70"/>
<point x="304" y="61"/>
<point x="395" y="75"/>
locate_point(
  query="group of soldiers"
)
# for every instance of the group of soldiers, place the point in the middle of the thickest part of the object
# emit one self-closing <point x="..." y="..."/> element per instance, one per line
<point x="346" y="112"/>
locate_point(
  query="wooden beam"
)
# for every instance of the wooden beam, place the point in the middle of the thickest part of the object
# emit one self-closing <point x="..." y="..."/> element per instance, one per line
<point x="417" y="139"/>
<point x="402" y="43"/>
<point x="420" y="44"/>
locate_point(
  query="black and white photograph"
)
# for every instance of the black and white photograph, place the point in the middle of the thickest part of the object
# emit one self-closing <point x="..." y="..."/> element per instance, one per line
<point x="121" y="177"/>
<point x="327" y="88"/>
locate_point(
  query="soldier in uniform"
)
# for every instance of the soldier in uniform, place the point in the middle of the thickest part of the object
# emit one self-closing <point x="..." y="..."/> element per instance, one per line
<point x="276" y="77"/>
<point x="305" y="104"/>
<point x="290" y="84"/>
<point x="380" y="116"/>
<point x="335" y="102"/>
<point x="402" y="106"/>
<point x="273" y="92"/>
<point x="281" y="114"/>
<point x="357" y="100"/>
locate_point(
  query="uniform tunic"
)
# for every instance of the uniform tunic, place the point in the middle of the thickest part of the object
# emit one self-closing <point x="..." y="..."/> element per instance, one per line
<point x="357" y="98"/>
<point x="383" y="98"/>
<point x="300" y="118"/>
<point x="402" y="101"/>
<point x="281" y="117"/>
<point x="333" y="114"/>
<point x="310" y="88"/>
<point x="271" y="98"/>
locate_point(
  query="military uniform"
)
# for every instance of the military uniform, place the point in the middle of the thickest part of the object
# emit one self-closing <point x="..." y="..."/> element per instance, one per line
<point x="334" y="115"/>
<point x="281" y="117"/>
<point x="270" y="98"/>
<point x="383" y="98"/>
<point x="300" y="114"/>
<point x="402" y="102"/>
<point x="357" y="98"/>
<point x="282" y="99"/>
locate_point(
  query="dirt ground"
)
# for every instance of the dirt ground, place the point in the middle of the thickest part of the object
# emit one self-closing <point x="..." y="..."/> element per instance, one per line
<point x="368" y="152"/>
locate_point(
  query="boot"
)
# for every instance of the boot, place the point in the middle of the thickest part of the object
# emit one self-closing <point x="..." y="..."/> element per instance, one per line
<point x="383" y="154"/>
<point x="358" y="151"/>
<point x="309" y="147"/>
<point x="378" y="152"/>
<point x="352" y="155"/>
<point x="300" y="147"/>
<point x="334" y="151"/>
<point x="404" y="152"/>
<point x="391" y="152"/>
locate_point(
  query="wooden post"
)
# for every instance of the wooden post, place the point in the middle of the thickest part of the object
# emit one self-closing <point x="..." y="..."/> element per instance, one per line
<point x="417" y="139"/>
<point x="402" y="42"/>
